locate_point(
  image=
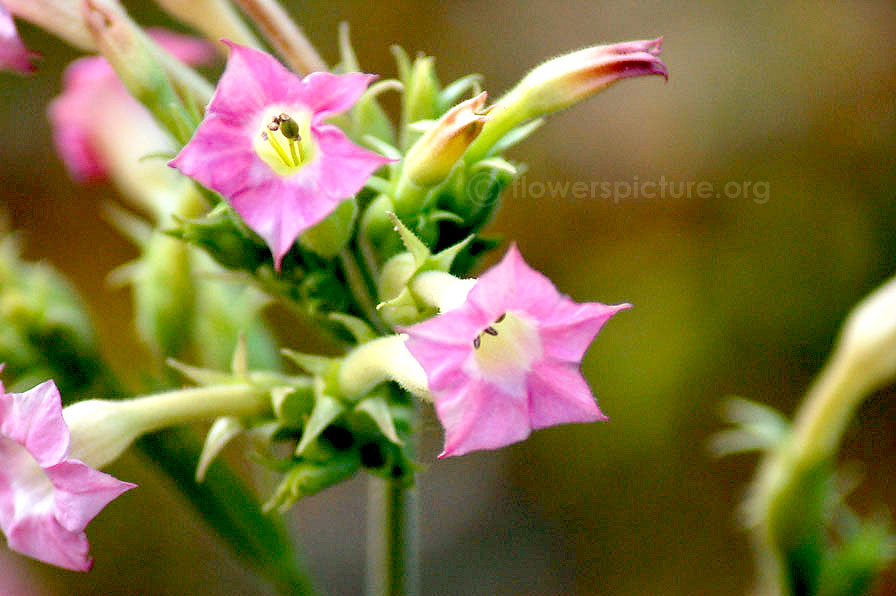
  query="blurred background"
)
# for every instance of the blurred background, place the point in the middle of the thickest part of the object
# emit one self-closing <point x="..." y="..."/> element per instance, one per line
<point x="786" y="109"/>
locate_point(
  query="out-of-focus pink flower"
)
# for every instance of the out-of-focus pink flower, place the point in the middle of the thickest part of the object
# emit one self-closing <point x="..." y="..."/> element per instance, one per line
<point x="13" y="53"/>
<point x="264" y="146"/>
<point x="98" y="126"/>
<point x="47" y="497"/>
<point x="507" y="360"/>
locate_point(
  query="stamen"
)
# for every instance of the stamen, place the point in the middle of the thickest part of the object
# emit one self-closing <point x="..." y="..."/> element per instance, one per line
<point x="501" y="318"/>
<point x="490" y="331"/>
<point x="280" y="152"/>
<point x="296" y="155"/>
<point x="477" y="342"/>
<point x="273" y="125"/>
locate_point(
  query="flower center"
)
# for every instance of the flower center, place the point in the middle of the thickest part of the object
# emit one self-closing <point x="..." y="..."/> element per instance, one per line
<point x="505" y="350"/>
<point x="284" y="141"/>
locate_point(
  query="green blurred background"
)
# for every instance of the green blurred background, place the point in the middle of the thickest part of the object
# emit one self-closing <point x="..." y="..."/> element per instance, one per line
<point x="740" y="293"/>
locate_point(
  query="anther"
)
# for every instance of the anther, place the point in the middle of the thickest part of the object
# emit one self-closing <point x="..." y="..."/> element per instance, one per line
<point x="289" y="128"/>
<point x="501" y="318"/>
<point x="477" y="342"/>
<point x="273" y="125"/>
<point x="490" y="331"/>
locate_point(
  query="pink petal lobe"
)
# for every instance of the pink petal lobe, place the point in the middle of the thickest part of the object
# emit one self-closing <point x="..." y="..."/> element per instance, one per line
<point x="34" y="420"/>
<point x="479" y="416"/>
<point x="572" y="327"/>
<point x="82" y="492"/>
<point x="43" y="538"/>
<point x="344" y="165"/>
<point x="252" y="80"/>
<point x="327" y="94"/>
<point x="559" y="394"/>
<point x="13" y="53"/>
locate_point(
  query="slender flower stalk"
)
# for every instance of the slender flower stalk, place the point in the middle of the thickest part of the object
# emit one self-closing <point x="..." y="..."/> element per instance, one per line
<point x="216" y="19"/>
<point x="283" y="34"/>
<point x="864" y="360"/>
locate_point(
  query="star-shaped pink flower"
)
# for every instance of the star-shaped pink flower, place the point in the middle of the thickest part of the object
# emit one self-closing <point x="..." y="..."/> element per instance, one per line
<point x="46" y="497"/>
<point x="264" y="146"/>
<point x="13" y="53"/>
<point x="507" y="360"/>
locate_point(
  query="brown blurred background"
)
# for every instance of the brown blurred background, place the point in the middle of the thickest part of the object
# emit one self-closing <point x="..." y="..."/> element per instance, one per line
<point x="737" y="294"/>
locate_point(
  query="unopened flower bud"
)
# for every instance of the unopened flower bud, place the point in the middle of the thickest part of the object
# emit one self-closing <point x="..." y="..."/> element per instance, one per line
<point x="434" y="154"/>
<point x="565" y="80"/>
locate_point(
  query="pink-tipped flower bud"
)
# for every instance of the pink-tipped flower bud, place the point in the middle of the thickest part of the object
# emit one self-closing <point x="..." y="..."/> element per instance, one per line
<point x="566" y="80"/>
<point x="434" y="154"/>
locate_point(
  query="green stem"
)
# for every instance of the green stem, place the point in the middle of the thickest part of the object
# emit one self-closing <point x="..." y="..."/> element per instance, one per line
<point x="358" y="287"/>
<point x="392" y="556"/>
<point x="817" y="432"/>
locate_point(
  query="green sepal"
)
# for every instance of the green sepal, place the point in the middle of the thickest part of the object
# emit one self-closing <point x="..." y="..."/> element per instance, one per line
<point x="378" y="410"/>
<point x="292" y="404"/>
<point x="326" y="410"/>
<point x="313" y="364"/>
<point x="306" y="478"/>
<point x="453" y="91"/>
<point x="358" y="328"/>
<point x="515" y="136"/>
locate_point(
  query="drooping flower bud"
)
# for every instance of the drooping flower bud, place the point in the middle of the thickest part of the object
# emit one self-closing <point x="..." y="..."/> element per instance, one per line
<point x="434" y="154"/>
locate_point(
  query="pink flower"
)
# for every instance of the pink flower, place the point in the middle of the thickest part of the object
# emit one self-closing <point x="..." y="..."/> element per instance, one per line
<point x="13" y="53"/>
<point x="96" y="123"/>
<point x="264" y="146"/>
<point x="47" y="498"/>
<point x="506" y="361"/>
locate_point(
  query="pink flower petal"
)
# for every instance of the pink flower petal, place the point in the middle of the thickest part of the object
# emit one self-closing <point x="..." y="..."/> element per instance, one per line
<point x="487" y="398"/>
<point x="222" y="155"/>
<point x="43" y="538"/>
<point x="13" y="53"/>
<point x="47" y="498"/>
<point x="481" y="417"/>
<point x="82" y="492"/>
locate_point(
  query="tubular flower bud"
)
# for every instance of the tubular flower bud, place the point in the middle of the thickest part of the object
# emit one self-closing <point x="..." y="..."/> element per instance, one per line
<point x="566" y="80"/>
<point x="433" y="156"/>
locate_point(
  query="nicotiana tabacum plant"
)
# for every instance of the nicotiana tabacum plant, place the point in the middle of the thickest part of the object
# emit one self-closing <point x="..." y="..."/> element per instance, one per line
<point x="286" y="183"/>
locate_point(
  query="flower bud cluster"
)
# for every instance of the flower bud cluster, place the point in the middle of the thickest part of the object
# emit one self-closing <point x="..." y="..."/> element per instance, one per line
<point x="298" y="185"/>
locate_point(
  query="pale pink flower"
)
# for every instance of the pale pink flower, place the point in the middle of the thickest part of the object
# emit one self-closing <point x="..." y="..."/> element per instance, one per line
<point x="96" y="122"/>
<point x="13" y="53"/>
<point x="281" y="178"/>
<point x="507" y="360"/>
<point x="47" y="498"/>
